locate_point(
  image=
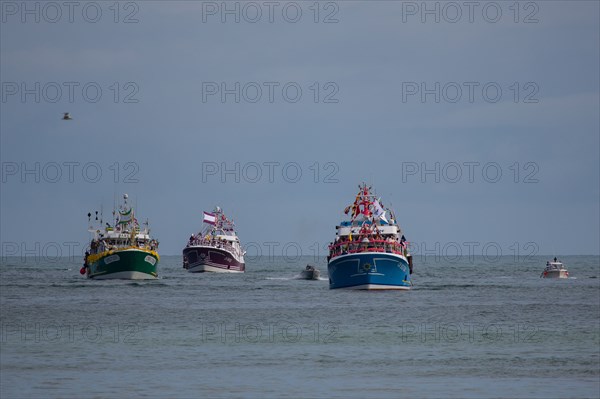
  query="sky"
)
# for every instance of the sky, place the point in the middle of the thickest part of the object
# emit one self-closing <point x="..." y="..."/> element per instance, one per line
<point x="478" y="124"/>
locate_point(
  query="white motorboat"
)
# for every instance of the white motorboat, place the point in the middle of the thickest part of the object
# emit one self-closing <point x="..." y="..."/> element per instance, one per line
<point x="555" y="269"/>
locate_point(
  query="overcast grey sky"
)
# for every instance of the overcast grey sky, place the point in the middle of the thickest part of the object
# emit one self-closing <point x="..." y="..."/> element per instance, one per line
<point x="497" y="102"/>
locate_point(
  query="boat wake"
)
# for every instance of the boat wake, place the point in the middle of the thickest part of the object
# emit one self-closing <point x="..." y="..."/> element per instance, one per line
<point x="301" y="277"/>
<point x="296" y="277"/>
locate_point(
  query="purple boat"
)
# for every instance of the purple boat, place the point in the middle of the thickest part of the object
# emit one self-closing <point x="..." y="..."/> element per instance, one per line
<point x="216" y="248"/>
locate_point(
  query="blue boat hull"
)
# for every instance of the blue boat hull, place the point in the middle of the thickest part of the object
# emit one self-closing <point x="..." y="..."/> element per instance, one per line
<point x="369" y="271"/>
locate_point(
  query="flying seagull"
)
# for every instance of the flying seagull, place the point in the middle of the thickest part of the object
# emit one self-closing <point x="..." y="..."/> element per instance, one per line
<point x="67" y="117"/>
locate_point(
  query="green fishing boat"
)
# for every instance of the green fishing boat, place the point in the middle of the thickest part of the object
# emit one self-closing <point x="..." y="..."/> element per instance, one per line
<point x="123" y="250"/>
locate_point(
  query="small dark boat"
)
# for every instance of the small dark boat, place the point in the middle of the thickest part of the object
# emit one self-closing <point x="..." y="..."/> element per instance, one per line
<point x="310" y="273"/>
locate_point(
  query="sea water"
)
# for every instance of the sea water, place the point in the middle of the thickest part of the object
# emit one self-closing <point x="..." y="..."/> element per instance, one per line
<point x="470" y="328"/>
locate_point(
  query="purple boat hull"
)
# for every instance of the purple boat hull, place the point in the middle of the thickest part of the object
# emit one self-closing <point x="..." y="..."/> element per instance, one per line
<point x="198" y="259"/>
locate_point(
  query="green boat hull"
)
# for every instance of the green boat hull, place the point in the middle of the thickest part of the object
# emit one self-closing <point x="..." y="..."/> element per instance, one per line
<point x="129" y="264"/>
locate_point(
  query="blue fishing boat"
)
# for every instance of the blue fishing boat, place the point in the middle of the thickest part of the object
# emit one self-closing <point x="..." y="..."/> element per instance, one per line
<point x="369" y="252"/>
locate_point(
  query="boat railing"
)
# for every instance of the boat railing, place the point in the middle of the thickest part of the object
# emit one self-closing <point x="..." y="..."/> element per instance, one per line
<point x="377" y="245"/>
<point x="213" y="243"/>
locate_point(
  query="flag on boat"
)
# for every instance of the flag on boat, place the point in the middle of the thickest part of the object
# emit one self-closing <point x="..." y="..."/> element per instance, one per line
<point x="378" y="211"/>
<point x="210" y="218"/>
<point x="356" y="207"/>
<point x="126" y="216"/>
